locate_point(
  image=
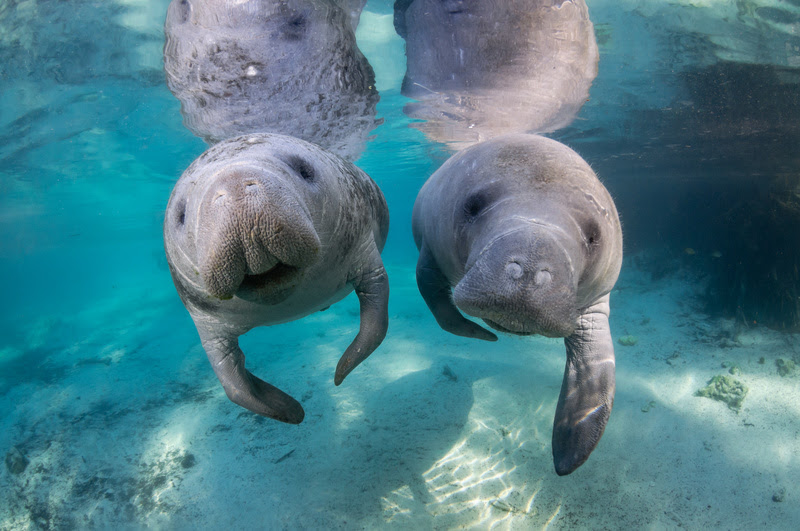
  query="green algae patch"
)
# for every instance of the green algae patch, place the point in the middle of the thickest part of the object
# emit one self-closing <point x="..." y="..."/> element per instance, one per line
<point x="732" y="368"/>
<point x="725" y="389"/>
<point x="628" y="341"/>
<point x="785" y="367"/>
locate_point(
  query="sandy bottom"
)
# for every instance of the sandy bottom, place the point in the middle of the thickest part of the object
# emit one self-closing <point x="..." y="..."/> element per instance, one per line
<point x="128" y="427"/>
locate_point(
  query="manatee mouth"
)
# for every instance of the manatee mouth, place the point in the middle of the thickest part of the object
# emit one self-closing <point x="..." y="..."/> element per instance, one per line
<point x="541" y="327"/>
<point x="270" y="287"/>
<point x="500" y="328"/>
<point x="277" y="274"/>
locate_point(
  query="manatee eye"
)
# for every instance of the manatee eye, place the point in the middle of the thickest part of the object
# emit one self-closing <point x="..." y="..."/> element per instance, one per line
<point x="474" y="205"/>
<point x="180" y="212"/>
<point x="591" y="233"/>
<point x="301" y="167"/>
<point x="185" y="11"/>
<point x="294" y="28"/>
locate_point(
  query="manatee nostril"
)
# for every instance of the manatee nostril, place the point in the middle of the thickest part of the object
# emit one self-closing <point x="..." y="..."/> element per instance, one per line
<point x="542" y="277"/>
<point x="514" y="270"/>
<point x="251" y="186"/>
<point x="220" y="195"/>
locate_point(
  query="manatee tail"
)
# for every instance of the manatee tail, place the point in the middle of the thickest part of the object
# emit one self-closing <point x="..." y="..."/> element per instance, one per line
<point x="587" y="392"/>
<point x="242" y="387"/>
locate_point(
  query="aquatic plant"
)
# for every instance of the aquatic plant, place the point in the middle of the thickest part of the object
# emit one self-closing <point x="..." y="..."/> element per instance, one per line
<point x="725" y="389"/>
<point x="785" y="367"/>
<point x="732" y="367"/>
<point x="16" y="462"/>
<point x="628" y="341"/>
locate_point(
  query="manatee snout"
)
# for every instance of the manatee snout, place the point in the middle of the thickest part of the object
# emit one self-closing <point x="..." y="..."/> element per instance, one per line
<point x="522" y="282"/>
<point x="253" y="235"/>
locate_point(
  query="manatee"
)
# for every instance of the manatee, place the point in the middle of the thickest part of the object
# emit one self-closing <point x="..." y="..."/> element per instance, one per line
<point x="263" y="229"/>
<point x="271" y="66"/>
<point x="519" y="232"/>
<point x="482" y="69"/>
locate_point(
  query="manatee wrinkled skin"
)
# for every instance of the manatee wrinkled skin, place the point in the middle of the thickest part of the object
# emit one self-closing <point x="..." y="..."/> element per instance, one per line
<point x="518" y="231"/>
<point x="271" y="66"/>
<point x="482" y="69"/>
<point x="263" y="229"/>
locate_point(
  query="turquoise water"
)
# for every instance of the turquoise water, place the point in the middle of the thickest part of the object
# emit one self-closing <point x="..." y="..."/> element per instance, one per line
<point x="107" y="395"/>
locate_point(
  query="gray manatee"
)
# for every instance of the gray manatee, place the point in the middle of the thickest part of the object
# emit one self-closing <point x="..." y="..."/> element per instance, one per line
<point x="272" y="66"/>
<point x="481" y="69"/>
<point x="263" y="229"/>
<point x="519" y="232"/>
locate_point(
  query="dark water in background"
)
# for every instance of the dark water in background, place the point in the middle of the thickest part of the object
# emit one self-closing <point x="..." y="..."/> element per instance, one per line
<point x="693" y="125"/>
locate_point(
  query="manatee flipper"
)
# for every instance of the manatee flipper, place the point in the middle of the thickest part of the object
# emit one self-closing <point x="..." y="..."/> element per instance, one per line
<point x="244" y="388"/>
<point x="436" y="290"/>
<point x="371" y="285"/>
<point x="587" y="392"/>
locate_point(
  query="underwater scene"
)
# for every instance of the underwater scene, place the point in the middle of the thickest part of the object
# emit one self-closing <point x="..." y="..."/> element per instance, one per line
<point x="413" y="264"/>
